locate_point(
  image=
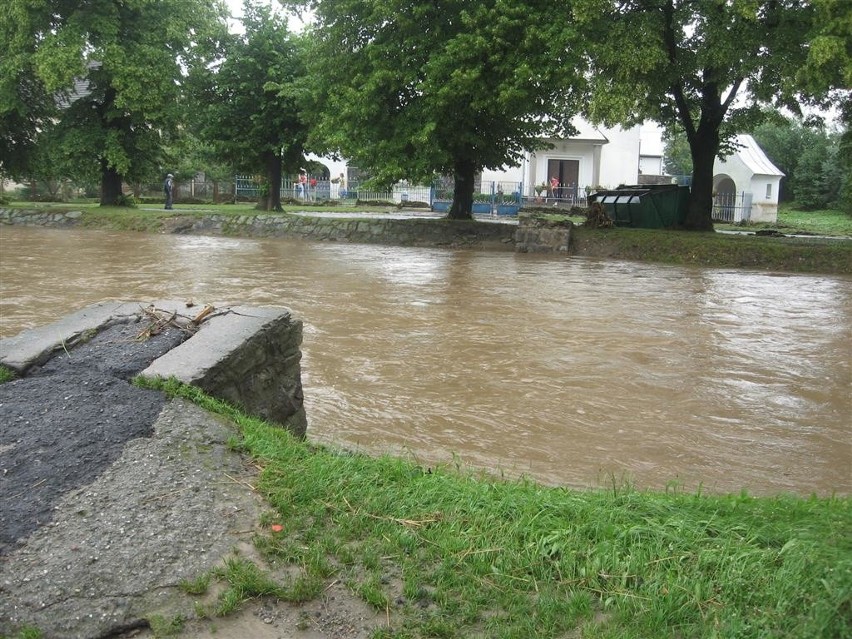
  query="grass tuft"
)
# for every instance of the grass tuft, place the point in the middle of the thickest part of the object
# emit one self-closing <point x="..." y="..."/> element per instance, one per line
<point x="166" y="627"/>
<point x="6" y="375"/>
<point x="245" y="581"/>
<point x="198" y="586"/>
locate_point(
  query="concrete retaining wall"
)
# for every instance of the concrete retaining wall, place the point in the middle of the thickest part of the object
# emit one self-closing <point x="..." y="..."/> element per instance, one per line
<point x="539" y="233"/>
<point x="355" y="229"/>
<point x="535" y="233"/>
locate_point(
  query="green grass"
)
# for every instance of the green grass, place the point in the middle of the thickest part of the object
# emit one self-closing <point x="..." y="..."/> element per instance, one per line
<point x="717" y="250"/>
<point x="166" y="626"/>
<point x="451" y="554"/>
<point x="6" y="375"/>
<point x="27" y="632"/>
<point x="795" y="222"/>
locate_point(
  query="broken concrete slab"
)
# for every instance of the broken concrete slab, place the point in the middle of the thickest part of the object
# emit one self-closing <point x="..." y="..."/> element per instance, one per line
<point x="249" y="356"/>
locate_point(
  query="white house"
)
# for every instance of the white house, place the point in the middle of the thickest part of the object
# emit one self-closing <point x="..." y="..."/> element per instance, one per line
<point x="746" y="184"/>
<point x="595" y="156"/>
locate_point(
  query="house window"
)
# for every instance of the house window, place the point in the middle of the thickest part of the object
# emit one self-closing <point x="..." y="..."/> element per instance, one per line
<point x="768" y="191"/>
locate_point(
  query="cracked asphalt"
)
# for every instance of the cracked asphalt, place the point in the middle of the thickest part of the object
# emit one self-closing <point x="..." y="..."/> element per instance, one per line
<point x="110" y="494"/>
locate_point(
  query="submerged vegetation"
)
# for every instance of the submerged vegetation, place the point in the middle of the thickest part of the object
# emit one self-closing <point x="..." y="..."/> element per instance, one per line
<point x="444" y="553"/>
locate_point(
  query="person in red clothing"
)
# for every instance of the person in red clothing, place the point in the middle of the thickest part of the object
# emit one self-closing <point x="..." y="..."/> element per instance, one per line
<point x="303" y="183"/>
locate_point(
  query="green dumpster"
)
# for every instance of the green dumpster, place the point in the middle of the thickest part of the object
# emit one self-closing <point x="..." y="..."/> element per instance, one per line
<point x="648" y="206"/>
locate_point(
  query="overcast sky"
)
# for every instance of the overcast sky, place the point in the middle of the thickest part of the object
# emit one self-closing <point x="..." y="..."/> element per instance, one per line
<point x="236" y="9"/>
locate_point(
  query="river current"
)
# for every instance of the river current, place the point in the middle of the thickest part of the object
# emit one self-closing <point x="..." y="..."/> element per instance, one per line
<point x="571" y="371"/>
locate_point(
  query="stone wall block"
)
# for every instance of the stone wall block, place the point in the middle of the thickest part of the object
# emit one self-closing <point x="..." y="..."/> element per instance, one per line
<point x="537" y="234"/>
<point x="248" y="356"/>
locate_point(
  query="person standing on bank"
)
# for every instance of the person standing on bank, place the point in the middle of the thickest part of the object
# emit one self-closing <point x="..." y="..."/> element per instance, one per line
<point x="303" y="184"/>
<point x="168" y="185"/>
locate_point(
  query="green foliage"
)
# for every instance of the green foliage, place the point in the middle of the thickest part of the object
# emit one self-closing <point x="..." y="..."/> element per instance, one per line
<point x="28" y="632"/>
<point x="166" y="627"/>
<point x="250" y="105"/>
<point x="701" y="66"/>
<point x="197" y="586"/>
<point x="6" y="375"/>
<point x="26" y="106"/>
<point x="816" y="173"/>
<point x="407" y="91"/>
<point x="245" y="581"/>
<point x="829" y="62"/>
<point x="126" y="101"/>
<point x="676" y="153"/>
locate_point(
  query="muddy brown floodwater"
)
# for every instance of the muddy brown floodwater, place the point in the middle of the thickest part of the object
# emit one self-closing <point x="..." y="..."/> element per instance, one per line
<point x="572" y="371"/>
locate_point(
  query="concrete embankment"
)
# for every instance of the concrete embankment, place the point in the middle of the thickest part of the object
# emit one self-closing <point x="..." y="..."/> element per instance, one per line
<point x="531" y="234"/>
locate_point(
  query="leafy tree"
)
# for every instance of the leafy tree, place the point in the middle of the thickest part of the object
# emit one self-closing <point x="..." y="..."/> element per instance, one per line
<point x="818" y="178"/>
<point x="826" y="77"/>
<point x="702" y="65"/>
<point x="117" y="66"/>
<point x="26" y="107"/>
<point x="677" y="156"/>
<point x="252" y="118"/>
<point x="409" y="90"/>
<point x="809" y="157"/>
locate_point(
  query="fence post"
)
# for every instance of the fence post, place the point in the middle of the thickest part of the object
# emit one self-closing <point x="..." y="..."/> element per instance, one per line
<point x="746" y="210"/>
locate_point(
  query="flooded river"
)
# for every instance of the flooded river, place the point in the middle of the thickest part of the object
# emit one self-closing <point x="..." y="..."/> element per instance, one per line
<point x="571" y="371"/>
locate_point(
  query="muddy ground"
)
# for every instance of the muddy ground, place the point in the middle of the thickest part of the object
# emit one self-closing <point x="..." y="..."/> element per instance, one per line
<point x="110" y="495"/>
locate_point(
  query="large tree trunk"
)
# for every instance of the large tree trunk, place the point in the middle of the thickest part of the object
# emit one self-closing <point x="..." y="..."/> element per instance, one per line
<point x="273" y="173"/>
<point x="110" y="185"/>
<point x="703" y="147"/>
<point x="464" y="172"/>
<point x="272" y="200"/>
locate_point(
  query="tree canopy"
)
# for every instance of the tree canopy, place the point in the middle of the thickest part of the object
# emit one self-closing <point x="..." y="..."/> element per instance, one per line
<point x="706" y="66"/>
<point x="410" y="90"/>
<point x="810" y="159"/>
<point x="114" y="67"/>
<point x="250" y="102"/>
<point x="26" y="107"/>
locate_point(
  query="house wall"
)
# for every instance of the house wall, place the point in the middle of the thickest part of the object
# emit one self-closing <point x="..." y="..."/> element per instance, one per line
<point x="650" y="165"/>
<point x="582" y="152"/>
<point x="734" y="168"/>
<point x="507" y="175"/>
<point x="620" y="158"/>
<point x="607" y="157"/>
<point x="763" y="209"/>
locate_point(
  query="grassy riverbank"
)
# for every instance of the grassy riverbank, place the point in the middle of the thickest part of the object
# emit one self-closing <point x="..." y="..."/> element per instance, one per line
<point x="443" y="553"/>
<point x="717" y="250"/>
